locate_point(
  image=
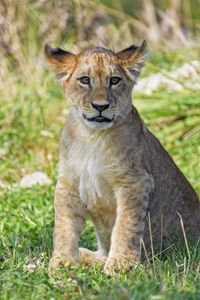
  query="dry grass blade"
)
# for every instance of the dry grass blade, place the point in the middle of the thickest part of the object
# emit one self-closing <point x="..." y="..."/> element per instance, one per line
<point x="186" y="263"/>
<point x="151" y="241"/>
<point x="114" y="12"/>
<point x="142" y="245"/>
<point x="174" y="29"/>
<point x="149" y="16"/>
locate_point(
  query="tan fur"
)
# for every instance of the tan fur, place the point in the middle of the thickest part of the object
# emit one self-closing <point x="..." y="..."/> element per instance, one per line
<point x="114" y="172"/>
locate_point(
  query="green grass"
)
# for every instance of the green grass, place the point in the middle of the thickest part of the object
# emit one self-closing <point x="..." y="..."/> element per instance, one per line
<point x="26" y="238"/>
<point x="31" y="117"/>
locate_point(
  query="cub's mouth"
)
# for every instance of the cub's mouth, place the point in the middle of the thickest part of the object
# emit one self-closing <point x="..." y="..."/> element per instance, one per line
<point x="99" y="119"/>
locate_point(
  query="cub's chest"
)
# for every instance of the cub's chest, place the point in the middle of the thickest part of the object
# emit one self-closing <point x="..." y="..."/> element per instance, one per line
<point x="94" y="171"/>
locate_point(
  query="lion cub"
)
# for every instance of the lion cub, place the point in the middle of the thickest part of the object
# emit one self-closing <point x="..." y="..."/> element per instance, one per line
<point x="111" y="166"/>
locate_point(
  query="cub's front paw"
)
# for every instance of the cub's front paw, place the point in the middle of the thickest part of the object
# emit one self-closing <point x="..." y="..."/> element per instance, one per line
<point x="118" y="263"/>
<point x="57" y="260"/>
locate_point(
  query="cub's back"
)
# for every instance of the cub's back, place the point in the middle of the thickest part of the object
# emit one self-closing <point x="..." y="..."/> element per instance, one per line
<point x="173" y="197"/>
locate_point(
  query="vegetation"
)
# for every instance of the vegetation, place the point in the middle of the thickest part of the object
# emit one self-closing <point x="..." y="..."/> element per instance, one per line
<point x="32" y="113"/>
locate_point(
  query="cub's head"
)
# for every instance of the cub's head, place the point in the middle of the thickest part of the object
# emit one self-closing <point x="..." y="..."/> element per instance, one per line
<point x="98" y="82"/>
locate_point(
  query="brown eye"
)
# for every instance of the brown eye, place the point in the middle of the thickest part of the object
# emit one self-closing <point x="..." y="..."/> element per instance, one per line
<point x="115" y="80"/>
<point x="84" y="80"/>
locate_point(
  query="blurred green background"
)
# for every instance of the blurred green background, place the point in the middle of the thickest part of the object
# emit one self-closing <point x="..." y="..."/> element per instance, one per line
<point x="32" y="106"/>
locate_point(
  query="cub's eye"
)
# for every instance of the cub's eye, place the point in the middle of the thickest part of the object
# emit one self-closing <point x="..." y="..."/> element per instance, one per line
<point x="84" y="80"/>
<point x="115" y="80"/>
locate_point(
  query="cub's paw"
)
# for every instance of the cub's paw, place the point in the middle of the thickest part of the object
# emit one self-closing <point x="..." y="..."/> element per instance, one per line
<point x="89" y="257"/>
<point x="118" y="263"/>
<point x="62" y="260"/>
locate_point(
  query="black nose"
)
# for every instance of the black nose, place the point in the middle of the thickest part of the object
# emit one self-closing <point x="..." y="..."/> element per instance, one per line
<point x="100" y="108"/>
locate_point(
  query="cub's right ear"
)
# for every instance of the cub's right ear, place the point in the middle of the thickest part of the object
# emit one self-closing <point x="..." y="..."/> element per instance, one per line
<point x="61" y="61"/>
<point x="132" y="60"/>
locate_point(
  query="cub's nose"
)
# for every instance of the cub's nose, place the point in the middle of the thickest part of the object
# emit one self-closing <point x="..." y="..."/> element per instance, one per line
<point x="99" y="107"/>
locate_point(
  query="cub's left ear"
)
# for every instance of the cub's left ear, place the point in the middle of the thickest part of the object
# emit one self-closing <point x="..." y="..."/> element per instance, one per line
<point x="61" y="61"/>
<point x="132" y="60"/>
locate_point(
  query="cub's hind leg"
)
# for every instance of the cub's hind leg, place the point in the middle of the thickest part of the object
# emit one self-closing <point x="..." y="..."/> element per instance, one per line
<point x="103" y="224"/>
<point x="89" y="257"/>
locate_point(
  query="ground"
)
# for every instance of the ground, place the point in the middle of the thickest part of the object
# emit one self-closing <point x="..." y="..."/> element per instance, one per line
<point x="31" y="117"/>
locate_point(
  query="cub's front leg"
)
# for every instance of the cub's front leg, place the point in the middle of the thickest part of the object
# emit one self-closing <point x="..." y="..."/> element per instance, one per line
<point x="68" y="224"/>
<point x="132" y="202"/>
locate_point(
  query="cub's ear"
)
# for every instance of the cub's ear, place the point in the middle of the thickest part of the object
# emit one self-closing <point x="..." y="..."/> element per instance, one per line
<point x="132" y="60"/>
<point x="61" y="61"/>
